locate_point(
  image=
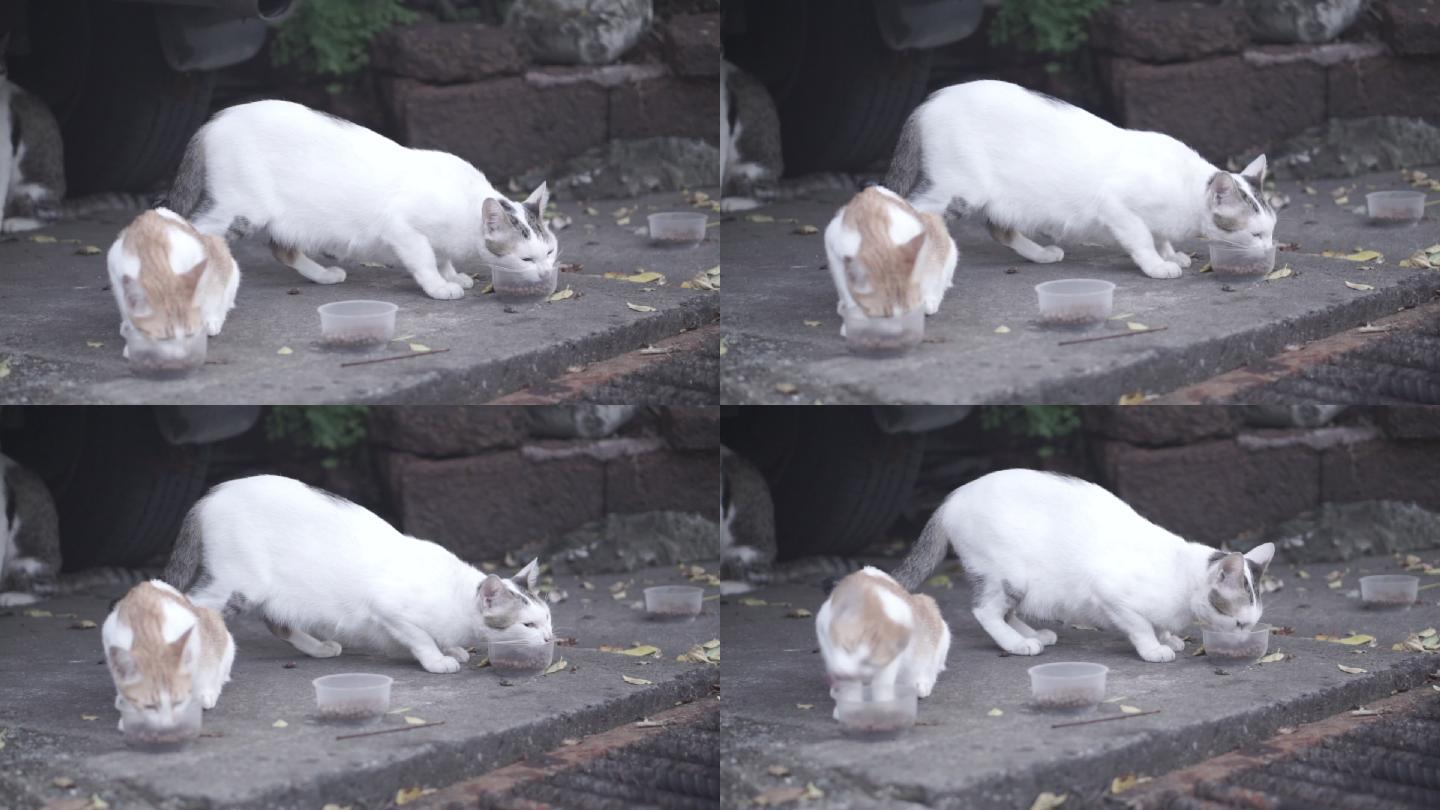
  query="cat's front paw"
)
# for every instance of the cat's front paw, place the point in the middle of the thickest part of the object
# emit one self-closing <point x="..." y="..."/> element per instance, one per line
<point x="1046" y="637"/>
<point x="1049" y="254"/>
<point x="326" y="649"/>
<point x="458" y="653"/>
<point x="924" y="687"/>
<point x="1176" y="643"/>
<point x="329" y="275"/>
<point x="1158" y="654"/>
<point x="445" y="291"/>
<point x="1182" y="259"/>
<point x="1028" y="646"/>
<point x="212" y="328"/>
<point x="932" y="306"/>
<point x="441" y="665"/>
<point x="1162" y="269"/>
<point x="209" y="699"/>
<point x="464" y="280"/>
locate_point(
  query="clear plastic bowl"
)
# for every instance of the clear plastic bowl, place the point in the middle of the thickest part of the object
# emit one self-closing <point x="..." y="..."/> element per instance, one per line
<point x="1233" y="261"/>
<point x="516" y="658"/>
<point x="1395" y="207"/>
<point x="162" y="736"/>
<point x="163" y="359"/>
<point x="865" y="711"/>
<point x="1075" y="302"/>
<point x="352" y="697"/>
<point x="677" y="226"/>
<point x="1237" y="644"/>
<point x="673" y="602"/>
<point x="1389" y="590"/>
<point x="883" y="337"/>
<point x="524" y="286"/>
<point x="1071" y="687"/>
<point x="357" y="324"/>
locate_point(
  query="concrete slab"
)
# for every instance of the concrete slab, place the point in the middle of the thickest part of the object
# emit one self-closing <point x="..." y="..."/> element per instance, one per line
<point x="774" y="285"/>
<point x="52" y="681"/>
<point x="961" y="757"/>
<point x="57" y="303"/>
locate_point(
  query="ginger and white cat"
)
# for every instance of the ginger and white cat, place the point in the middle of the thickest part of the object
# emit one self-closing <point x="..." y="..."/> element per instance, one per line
<point x="315" y="183"/>
<point x="872" y="631"/>
<point x="170" y="280"/>
<point x="887" y="258"/>
<point x="1055" y="548"/>
<point x="1031" y="164"/>
<point x="164" y="652"/>
<point x="323" y="571"/>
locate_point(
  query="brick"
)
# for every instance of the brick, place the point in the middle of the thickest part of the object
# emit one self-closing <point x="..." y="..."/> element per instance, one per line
<point x="1162" y="424"/>
<point x="1411" y="422"/>
<point x="482" y="506"/>
<point x="1385" y="85"/>
<point x="1411" y="26"/>
<point x="691" y="428"/>
<point x="446" y="53"/>
<point x="502" y="126"/>
<point x="1169" y="32"/>
<point x="692" y="44"/>
<point x="446" y="431"/>
<point x="1395" y="471"/>
<point x="1220" y="107"/>
<point x="1213" y="491"/>
<point x="664" y="481"/>
<point x="666" y="106"/>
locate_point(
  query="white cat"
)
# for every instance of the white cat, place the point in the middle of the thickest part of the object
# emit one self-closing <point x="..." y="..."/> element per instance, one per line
<point x="873" y="632"/>
<point x="312" y="563"/>
<point x="1051" y="547"/>
<point x="164" y="652"/>
<point x="1032" y="164"/>
<point x="315" y="182"/>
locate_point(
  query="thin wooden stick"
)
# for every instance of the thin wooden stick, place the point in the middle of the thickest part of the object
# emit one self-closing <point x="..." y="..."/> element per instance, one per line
<point x="1116" y="335"/>
<point x="1106" y="719"/>
<point x="390" y="730"/>
<point x="393" y="357"/>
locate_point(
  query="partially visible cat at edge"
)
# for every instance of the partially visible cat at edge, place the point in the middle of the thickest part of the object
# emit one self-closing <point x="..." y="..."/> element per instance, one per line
<point x="32" y="166"/>
<point x="871" y="631"/>
<point x="314" y="182"/>
<point x="1030" y="164"/>
<point x="1054" y="548"/>
<point x="886" y="258"/>
<point x="751" y="160"/>
<point x="314" y="564"/>
<point x="29" y="537"/>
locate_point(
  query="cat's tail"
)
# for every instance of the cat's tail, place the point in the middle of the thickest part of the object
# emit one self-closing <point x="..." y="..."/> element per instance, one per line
<point x="925" y="555"/>
<point x="908" y="162"/>
<point x="188" y="191"/>
<point x="79" y="207"/>
<point x="183" y="569"/>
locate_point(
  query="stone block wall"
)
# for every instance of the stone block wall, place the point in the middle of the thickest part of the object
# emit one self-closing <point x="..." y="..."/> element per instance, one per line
<point x="476" y="479"/>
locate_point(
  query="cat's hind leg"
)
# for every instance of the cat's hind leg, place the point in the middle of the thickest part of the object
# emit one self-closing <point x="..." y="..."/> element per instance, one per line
<point x="295" y="260"/>
<point x="304" y="642"/>
<point x="1046" y="637"/>
<point x="1020" y="243"/>
<point x="992" y="605"/>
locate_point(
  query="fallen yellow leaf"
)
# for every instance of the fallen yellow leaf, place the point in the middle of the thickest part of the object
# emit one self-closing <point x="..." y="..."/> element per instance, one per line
<point x="799" y="613"/>
<point x="1129" y="709"/>
<point x="1352" y="670"/>
<point x="285" y="350"/>
<point x="804" y="706"/>
<point x="646" y="277"/>
<point x="44" y="239"/>
<point x="995" y="713"/>
<point x="419" y="347"/>
<point x="636" y="681"/>
<point x="640" y="307"/>
<point x="94" y="344"/>
<point x="1002" y="330"/>
<point x="89" y="717"/>
<point x="1120" y="784"/>
<point x="563" y="294"/>
<point x="1283" y="272"/>
<point x="786" y="388"/>
<point x="1358" y="638"/>
<point x="280" y="724"/>
<point x="1135" y="326"/>
<point x="412" y="720"/>
<point x="812" y="323"/>
<point x="806" y="230"/>
<point x="1364" y="256"/>
<point x="1355" y="285"/>
<point x="88" y="250"/>
<point x="760" y="218"/>
<point x="751" y="601"/>
<point x="643" y="649"/>
<point x="404" y="796"/>
<point x="1048" y="801"/>
<point x="558" y="666"/>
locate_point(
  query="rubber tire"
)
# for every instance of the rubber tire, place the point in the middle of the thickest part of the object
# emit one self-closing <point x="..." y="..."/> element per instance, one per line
<point x="121" y="490"/>
<point x="135" y="113"/>
<point x="837" y="481"/>
<point x="842" y="94"/>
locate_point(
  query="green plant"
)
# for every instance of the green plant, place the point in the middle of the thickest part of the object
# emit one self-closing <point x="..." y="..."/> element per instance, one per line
<point x="1032" y="421"/>
<point x="332" y="37"/>
<point x="1055" y="27"/>
<point x="333" y="429"/>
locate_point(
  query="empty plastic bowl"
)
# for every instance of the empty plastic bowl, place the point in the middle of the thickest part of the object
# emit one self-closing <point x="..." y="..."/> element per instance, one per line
<point x="1389" y="590"/>
<point x="673" y="602"/>
<point x="1075" y="302"/>
<point x="1236" y="644"/>
<point x="1073" y="687"/>
<point x="677" y="227"/>
<point x="865" y="710"/>
<point x="1233" y="261"/>
<point x="357" y="324"/>
<point x="883" y="337"/>
<point x="163" y="735"/>
<point x="352" y="697"/>
<point x="524" y="286"/>
<point x="513" y="658"/>
<point x="166" y="358"/>
<point x="1395" y="207"/>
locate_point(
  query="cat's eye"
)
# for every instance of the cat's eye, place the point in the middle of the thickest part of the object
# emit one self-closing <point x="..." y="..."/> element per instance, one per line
<point x="530" y="625"/>
<point x="532" y="261"/>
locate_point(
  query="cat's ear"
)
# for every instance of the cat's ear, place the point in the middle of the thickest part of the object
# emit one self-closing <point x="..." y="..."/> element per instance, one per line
<point x="537" y="201"/>
<point x="179" y="650"/>
<point x="1231" y="567"/>
<point x="494" y="218"/>
<point x="529" y="576"/>
<point x="134" y="294"/>
<point x="1255" y="172"/>
<point x="910" y="251"/>
<point x="493" y="593"/>
<point x="1222" y="191"/>
<point x="857" y="277"/>
<point x="1261" y="555"/>
<point x="123" y="663"/>
<point x="190" y="281"/>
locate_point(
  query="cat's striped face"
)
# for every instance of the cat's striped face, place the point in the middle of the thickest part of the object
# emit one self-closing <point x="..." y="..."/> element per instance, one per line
<point x="513" y="610"/>
<point x="1236" y="212"/>
<point x="1233" y="590"/>
<point x="517" y="236"/>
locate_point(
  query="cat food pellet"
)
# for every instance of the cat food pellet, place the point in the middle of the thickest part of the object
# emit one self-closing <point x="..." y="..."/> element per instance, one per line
<point x="1069" y="699"/>
<point x="1250" y="650"/>
<point x="1390" y="601"/>
<point x="1244" y="268"/>
<point x="524" y="292"/>
<point x="1071" y="317"/>
<point x="351" y="340"/>
<point x="876" y="720"/>
<point x="161" y="368"/>
<point x="351" y="710"/>
<point x="879" y="343"/>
